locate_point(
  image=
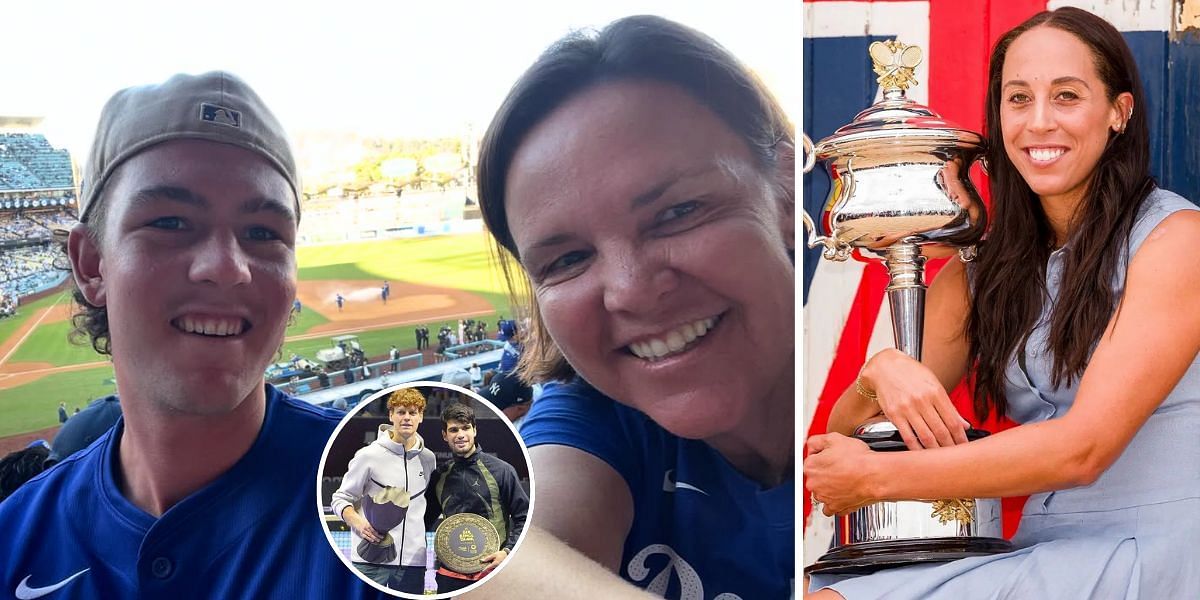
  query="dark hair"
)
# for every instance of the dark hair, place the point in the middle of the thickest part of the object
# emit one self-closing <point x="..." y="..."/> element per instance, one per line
<point x="638" y="47"/>
<point x="458" y="412"/>
<point x="1009" y="274"/>
<point x="18" y="467"/>
<point x="90" y="322"/>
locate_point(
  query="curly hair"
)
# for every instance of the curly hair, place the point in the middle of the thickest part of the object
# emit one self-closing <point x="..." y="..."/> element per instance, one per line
<point x="458" y="412"/>
<point x="90" y="322"/>
<point x="21" y="466"/>
<point x="407" y="397"/>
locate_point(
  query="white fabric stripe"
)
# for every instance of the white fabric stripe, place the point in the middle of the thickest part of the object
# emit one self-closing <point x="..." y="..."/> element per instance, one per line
<point x="855" y="19"/>
<point x="1126" y="15"/>
<point x="906" y="21"/>
<point x="881" y="336"/>
<point x="818" y="533"/>
<point x="824" y="322"/>
<point x="829" y="302"/>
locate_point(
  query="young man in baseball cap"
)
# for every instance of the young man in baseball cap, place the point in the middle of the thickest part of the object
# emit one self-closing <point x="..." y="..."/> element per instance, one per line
<point x="184" y="263"/>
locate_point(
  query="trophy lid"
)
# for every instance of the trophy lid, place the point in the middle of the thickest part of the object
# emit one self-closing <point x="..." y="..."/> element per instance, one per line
<point x="896" y="119"/>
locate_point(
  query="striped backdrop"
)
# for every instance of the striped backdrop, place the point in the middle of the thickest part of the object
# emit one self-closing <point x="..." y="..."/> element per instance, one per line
<point x="845" y="319"/>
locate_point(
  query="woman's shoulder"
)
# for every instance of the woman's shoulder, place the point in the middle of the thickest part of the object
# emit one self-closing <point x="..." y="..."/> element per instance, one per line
<point x="1160" y="206"/>
<point x="578" y="415"/>
<point x="577" y="400"/>
<point x="1169" y="200"/>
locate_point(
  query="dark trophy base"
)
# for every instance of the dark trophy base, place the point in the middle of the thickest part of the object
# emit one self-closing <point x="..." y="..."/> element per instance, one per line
<point x="862" y="559"/>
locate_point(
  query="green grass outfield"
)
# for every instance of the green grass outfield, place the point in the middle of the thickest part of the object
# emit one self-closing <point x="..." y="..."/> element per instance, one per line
<point x="34" y="406"/>
<point x="9" y="326"/>
<point x="459" y="261"/>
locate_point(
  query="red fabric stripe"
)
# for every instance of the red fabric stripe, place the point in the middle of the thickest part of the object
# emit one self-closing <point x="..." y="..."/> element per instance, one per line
<point x="851" y="348"/>
<point x="958" y="87"/>
<point x="962" y="33"/>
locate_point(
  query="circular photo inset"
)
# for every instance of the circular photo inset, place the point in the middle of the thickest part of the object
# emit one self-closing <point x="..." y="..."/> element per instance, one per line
<point x="425" y="490"/>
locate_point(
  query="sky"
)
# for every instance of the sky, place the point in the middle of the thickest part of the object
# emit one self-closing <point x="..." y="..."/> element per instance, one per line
<point x="392" y="69"/>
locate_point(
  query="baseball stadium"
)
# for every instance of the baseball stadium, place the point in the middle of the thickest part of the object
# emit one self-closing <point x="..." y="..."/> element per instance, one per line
<point x="423" y="244"/>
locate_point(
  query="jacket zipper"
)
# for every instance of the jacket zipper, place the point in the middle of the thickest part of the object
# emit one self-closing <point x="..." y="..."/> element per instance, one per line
<point x="404" y="523"/>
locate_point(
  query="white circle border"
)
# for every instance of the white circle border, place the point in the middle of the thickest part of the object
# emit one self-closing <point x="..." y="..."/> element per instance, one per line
<point x="338" y="430"/>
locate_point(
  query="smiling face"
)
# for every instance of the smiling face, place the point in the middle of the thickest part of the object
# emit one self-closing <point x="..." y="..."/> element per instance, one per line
<point x="460" y="436"/>
<point x="196" y="267"/>
<point x="657" y="251"/>
<point x="1056" y="115"/>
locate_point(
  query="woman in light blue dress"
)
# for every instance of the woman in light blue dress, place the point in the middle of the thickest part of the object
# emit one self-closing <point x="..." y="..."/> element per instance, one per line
<point x="1080" y="319"/>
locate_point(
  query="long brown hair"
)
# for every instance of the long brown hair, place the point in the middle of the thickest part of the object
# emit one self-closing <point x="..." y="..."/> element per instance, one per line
<point x="1009" y="287"/>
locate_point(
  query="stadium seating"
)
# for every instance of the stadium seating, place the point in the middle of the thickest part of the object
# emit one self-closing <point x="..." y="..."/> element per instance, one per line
<point x="29" y="269"/>
<point x="29" y="162"/>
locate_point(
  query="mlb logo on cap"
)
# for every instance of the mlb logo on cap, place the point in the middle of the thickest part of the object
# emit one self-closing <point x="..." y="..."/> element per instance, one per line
<point x="219" y="114"/>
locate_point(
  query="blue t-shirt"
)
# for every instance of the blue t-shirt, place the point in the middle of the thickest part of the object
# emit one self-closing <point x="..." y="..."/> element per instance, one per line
<point x="701" y="530"/>
<point x="253" y="533"/>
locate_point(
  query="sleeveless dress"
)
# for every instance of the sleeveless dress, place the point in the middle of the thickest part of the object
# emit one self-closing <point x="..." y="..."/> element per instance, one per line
<point x="1132" y="534"/>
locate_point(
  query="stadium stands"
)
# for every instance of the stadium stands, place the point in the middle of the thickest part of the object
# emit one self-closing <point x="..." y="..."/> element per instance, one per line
<point x="29" y="162"/>
<point x="37" y="196"/>
<point x="33" y="226"/>
<point x="28" y="270"/>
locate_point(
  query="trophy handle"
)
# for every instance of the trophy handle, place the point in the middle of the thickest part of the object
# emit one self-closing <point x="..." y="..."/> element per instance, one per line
<point x="810" y="157"/>
<point x="834" y="249"/>
<point x="968" y="253"/>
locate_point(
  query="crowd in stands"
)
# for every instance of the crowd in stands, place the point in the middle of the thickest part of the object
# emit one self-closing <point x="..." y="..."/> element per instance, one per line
<point x="28" y="270"/>
<point x="29" y="162"/>
<point x="8" y="305"/>
<point x="34" y="225"/>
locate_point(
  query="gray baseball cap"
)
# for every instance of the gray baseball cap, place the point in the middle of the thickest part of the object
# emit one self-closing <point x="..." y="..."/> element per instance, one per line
<point x="216" y="106"/>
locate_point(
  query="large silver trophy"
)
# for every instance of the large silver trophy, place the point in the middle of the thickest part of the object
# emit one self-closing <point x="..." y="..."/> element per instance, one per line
<point x="900" y="193"/>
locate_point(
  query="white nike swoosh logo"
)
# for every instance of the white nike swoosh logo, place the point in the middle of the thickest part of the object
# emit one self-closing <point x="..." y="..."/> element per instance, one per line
<point x="671" y="486"/>
<point x="24" y="592"/>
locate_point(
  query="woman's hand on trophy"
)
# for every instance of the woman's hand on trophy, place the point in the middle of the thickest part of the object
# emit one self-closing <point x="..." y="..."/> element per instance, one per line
<point x="913" y="399"/>
<point x="837" y="473"/>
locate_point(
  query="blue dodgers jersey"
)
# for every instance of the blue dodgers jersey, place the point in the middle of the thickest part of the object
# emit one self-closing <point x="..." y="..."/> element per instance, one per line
<point x="701" y="530"/>
<point x="253" y="533"/>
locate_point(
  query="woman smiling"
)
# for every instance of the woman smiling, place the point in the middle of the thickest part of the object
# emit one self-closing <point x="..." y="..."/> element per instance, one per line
<point x="641" y="182"/>
<point x="1078" y="320"/>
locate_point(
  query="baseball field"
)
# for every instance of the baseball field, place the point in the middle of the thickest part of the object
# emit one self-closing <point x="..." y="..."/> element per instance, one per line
<point x="433" y="281"/>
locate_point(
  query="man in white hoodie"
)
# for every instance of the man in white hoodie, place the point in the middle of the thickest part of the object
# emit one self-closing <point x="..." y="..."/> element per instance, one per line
<point x="382" y="498"/>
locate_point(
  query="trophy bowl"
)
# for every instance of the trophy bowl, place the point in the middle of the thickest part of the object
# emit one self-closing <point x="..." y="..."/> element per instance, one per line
<point x="906" y="532"/>
<point x="900" y="191"/>
<point x="899" y="173"/>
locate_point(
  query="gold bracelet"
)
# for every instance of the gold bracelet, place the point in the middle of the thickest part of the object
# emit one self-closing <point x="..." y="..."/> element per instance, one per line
<point x="863" y="391"/>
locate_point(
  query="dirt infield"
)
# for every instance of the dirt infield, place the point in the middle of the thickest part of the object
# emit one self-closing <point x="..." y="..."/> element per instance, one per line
<point x="59" y="312"/>
<point x="364" y="308"/>
<point x="17" y="374"/>
<point x="13" y="443"/>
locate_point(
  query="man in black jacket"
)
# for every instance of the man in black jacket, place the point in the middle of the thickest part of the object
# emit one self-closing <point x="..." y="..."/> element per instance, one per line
<point x="478" y="483"/>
